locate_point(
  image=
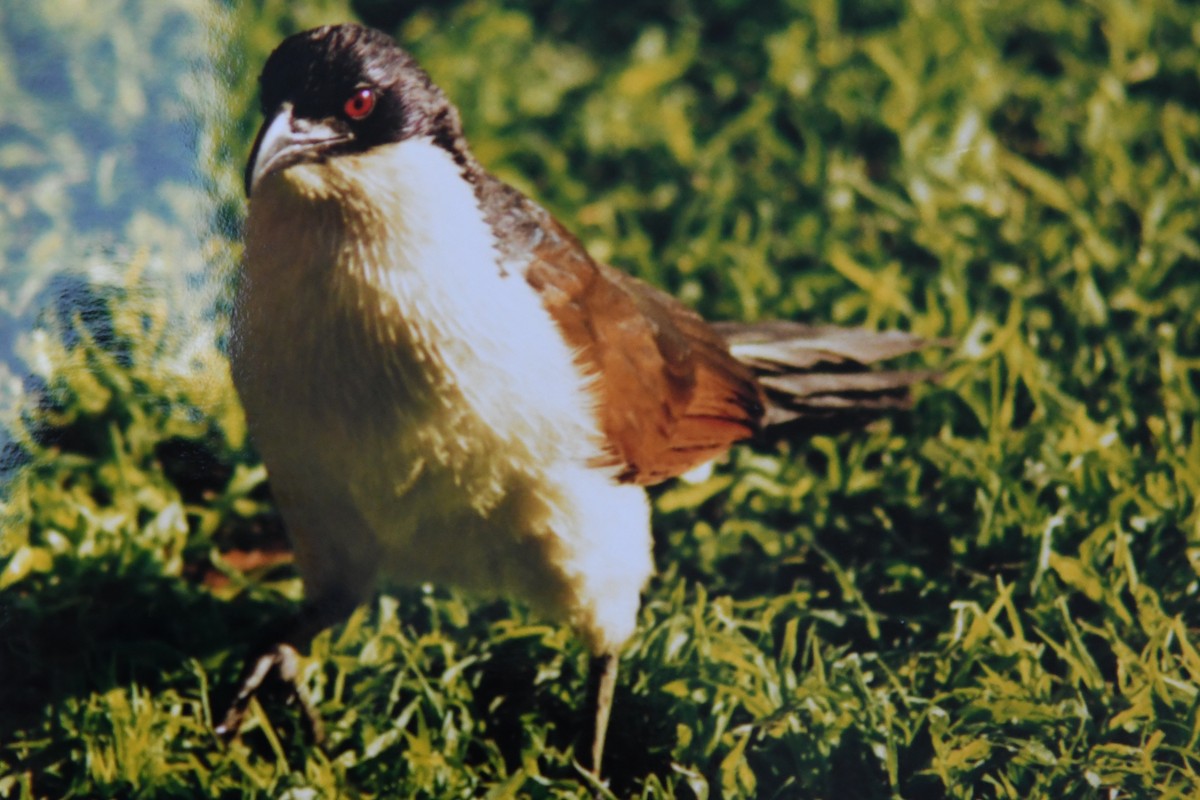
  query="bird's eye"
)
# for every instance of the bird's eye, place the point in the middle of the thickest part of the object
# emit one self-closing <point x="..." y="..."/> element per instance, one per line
<point x="360" y="105"/>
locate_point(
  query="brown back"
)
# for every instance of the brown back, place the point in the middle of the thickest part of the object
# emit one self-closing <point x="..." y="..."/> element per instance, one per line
<point x="671" y="396"/>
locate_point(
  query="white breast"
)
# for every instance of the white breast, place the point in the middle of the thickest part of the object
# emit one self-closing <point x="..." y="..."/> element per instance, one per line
<point x="416" y="407"/>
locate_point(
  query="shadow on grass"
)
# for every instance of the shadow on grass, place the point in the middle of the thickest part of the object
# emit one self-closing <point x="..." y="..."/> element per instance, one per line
<point x="100" y="623"/>
<point x="641" y="733"/>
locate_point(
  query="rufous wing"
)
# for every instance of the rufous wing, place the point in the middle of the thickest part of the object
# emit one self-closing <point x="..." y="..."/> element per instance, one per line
<point x="669" y="396"/>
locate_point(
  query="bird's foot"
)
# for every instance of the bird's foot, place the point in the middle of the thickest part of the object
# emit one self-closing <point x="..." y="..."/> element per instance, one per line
<point x="283" y="662"/>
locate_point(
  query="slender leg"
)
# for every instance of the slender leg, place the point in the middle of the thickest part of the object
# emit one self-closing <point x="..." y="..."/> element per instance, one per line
<point x="338" y="573"/>
<point x="602" y="682"/>
<point x="284" y="661"/>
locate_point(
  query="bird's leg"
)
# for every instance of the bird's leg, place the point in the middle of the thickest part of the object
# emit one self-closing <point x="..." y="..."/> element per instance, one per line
<point x="602" y="682"/>
<point x="283" y="660"/>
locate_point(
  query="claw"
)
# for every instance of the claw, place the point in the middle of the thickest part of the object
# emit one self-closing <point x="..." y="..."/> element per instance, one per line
<point x="284" y="662"/>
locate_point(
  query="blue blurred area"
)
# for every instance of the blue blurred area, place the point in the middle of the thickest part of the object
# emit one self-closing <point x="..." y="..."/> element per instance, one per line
<point x="102" y="117"/>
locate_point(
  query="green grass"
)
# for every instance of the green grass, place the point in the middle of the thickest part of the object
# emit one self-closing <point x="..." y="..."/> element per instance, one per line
<point x="992" y="596"/>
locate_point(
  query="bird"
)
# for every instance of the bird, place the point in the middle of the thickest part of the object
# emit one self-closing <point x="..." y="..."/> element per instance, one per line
<point x="446" y="388"/>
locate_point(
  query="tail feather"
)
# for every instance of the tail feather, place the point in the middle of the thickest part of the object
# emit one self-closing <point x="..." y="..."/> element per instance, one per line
<point x="821" y="376"/>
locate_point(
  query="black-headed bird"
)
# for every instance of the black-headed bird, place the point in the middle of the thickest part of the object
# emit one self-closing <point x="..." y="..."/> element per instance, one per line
<point x="446" y="388"/>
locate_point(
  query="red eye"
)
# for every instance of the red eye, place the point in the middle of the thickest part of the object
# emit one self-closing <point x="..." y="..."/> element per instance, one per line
<point x="360" y="105"/>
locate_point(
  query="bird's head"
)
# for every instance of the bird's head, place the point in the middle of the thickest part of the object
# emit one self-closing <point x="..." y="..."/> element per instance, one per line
<point x="344" y="89"/>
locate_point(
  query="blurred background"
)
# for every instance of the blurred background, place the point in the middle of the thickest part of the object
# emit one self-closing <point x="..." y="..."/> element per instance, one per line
<point x="995" y="595"/>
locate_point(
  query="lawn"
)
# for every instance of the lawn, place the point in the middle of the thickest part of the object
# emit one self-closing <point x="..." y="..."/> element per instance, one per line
<point x="995" y="595"/>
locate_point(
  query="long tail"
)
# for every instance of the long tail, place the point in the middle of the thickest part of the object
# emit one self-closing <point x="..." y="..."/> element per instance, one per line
<point x="820" y="376"/>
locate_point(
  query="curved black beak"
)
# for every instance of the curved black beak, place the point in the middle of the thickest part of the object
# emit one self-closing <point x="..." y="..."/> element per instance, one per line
<point x="285" y="140"/>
